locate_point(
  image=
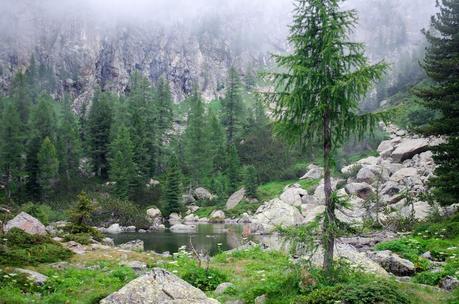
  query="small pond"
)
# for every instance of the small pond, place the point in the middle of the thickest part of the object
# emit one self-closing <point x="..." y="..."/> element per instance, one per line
<point x="208" y="238"/>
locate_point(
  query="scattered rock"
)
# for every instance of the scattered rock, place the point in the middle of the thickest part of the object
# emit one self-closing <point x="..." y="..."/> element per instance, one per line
<point x="449" y="283"/>
<point x="202" y="194"/>
<point x="75" y="247"/>
<point x="135" y="245"/>
<point x="393" y="263"/>
<point x="137" y="266"/>
<point x="217" y="216"/>
<point x="222" y="288"/>
<point x="366" y="175"/>
<point x="181" y="228"/>
<point x="260" y="299"/>
<point x="188" y="199"/>
<point x="419" y="210"/>
<point x="314" y="172"/>
<point x="409" y="148"/>
<point x="310" y="212"/>
<point x="362" y="190"/>
<point x="27" y="223"/>
<point x="235" y="199"/>
<point x="158" y="287"/>
<point x="276" y="213"/>
<point x="245" y="219"/>
<point x="38" y="278"/>
<point x="152" y="183"/>
<point x="403" y="173"/>
<point x="293" y="195"/>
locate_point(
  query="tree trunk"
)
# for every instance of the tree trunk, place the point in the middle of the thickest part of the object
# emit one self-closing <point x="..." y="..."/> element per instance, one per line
<point x="328" y="241"/>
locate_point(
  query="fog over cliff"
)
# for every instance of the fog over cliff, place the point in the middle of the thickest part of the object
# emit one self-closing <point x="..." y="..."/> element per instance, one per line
<point x="100" y="42"/>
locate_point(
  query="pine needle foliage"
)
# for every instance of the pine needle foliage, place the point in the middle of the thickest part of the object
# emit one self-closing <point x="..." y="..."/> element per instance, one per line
<point x="318" y="87"/>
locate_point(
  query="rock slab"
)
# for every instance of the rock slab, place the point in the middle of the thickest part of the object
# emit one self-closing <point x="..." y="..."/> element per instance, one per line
<point x="27" y="223"/>
<point x="158" y="287"/>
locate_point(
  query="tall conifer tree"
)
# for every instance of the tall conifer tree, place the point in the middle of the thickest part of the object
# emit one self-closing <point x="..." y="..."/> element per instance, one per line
<point x="123" y="170"/>
<point x="441" y="65"/>
<point x="172" y="187"/>
<point x="48" y="168"/>
<point x="232" y="107"/>
<point x="318" y="90"/>
<point x="99" y="124"/>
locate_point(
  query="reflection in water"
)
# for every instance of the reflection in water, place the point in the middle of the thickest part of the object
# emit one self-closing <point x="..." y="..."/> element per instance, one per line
<point x="209" y="238"/>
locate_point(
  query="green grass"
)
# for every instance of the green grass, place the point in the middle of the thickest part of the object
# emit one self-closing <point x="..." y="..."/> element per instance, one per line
<point x="69" y="286"/>
<point x="273" y="189"/>
<point x="440" y="238"/>
<point x="18" y="248"/>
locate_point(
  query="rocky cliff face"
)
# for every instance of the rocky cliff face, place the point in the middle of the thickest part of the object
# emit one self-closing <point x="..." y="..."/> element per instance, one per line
<point x="86" y="45"/>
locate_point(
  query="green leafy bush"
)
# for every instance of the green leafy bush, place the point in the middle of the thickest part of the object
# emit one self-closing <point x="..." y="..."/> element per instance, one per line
<point x="43" y="212"/>
<point x="204" y="279"/>
<point x="408" y="248"/>
<point x="21" y="248"/>
<point x="377" y="292"/>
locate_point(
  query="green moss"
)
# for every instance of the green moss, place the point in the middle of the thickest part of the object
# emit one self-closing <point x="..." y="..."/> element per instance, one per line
<point x="21" y="248"/>
<point x="70" y="286"/>
<point x="273" y="189"/>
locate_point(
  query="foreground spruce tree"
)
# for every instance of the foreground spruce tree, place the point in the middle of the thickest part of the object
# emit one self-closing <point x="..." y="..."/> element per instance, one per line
<point x="441" y="65"/>
<point x="318" y="89"/>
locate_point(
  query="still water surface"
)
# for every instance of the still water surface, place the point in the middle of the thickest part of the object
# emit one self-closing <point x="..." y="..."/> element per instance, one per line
<point x="209" y="238"/>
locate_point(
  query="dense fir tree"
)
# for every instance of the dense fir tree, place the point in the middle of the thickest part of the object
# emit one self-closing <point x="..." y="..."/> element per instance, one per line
<point x="42" y="125"/>
<point x="217" y="142"/>
<point x="11" y="149"/>
<point x="48" y="168"/>
<point x="232" y="107"/>
<point x="143" y="123"/>
<point x="233" y="169"/>
<point x="99" y="124"/>
<point x="318" y="90"/>
<point x="164" y="120"/>
<point x="21" y="98"/>
<point x="123" y="170"/>
<point x="441" y="65"/>
<point x="250" y="181"/>
<point x="80" y="215"/>
<point x="172" y="187"/>
<point x="196" y="142"/>
<point x="68" y="143"/>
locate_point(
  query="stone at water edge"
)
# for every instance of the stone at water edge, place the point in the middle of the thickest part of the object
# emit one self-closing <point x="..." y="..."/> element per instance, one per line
<point x="235" y="199"/>
<point x="113" y="229"/>
<point x="181" y="228"/>
<point x="217" y="216"/>
<point x="174" y="218"/>
<point x="26" y="223"/>
<point x="260" y="299"/>
<point x="158" y="287"/>
<point x="153" y="214"/>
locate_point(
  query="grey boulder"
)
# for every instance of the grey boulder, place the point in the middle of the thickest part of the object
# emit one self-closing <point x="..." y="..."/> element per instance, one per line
<point x="27" y="223"/>
<point x="158" y="287"/>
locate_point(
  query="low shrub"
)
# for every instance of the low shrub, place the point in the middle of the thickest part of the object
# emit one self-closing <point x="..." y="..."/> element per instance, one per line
<point x="377" y="292"/>
<point x="204" y="279"/>
<point x="125" y="213"/>
<point x="43" y="212"/>
<point x="21" y="248"/>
